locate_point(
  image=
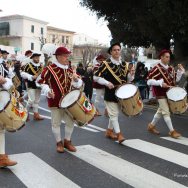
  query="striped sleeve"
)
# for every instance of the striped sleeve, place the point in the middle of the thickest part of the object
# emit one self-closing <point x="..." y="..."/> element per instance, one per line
<point x="101" y="70"/>
<point x="153" y="74"/>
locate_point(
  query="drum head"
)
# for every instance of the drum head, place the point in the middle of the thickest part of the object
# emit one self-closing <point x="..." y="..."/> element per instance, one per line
<point x="126" y="91"/>
<point x="70" y="98"/>
<point x="176" y="93"/>
<point x="4" y="99"/>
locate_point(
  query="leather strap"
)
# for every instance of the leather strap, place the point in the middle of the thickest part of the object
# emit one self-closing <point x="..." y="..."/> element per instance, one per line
<point x="56" y="78"/>
<point x="112" y="72"/>
<point x="163" y="75"/>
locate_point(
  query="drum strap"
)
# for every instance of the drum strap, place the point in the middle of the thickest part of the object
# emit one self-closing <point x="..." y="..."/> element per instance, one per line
<point x="163" y="75"/>
<point x="112" y="72"/>
<point x="33" y="70"/>
<point x="56" y="79"/>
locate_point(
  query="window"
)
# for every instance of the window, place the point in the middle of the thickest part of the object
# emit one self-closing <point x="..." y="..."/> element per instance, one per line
<point x="41" y="30"/>
<point x="32" y="46"/>
<point x="32" y="28"/>
<point x="67" y="40"/>
<point x="63" y="39"/>
<point x="4" y="28"/>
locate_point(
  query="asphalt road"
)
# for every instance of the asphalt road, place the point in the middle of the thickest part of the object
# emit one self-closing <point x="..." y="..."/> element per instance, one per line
<point x="144" y="160"/>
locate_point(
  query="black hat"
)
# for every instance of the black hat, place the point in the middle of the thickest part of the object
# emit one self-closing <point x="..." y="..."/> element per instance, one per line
<point x="114" y="44"/>
<point x="4" y="52"/>
<point x="35" y="55"/>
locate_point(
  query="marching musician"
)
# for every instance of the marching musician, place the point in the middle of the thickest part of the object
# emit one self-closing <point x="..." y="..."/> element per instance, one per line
<point x="162" y="77"/>
<point x="56" y="81"/>
<point x="4" y="57"/>
<point x="6" y="66"/>
<point x="5" y="83"/>
<point x="112" y="73"/>
<point x="31" y="71"/>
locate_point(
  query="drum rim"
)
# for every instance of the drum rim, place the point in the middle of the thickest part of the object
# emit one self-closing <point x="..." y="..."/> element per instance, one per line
<point x="73" y="102"/>
<point x="13" y="131"/>
<point x="128" y="97"/>
<point x="7" y="102"/>
<point x="177" y="87"/>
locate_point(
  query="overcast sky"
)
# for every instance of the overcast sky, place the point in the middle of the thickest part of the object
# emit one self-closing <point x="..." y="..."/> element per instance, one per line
<point x="64" y="14"/>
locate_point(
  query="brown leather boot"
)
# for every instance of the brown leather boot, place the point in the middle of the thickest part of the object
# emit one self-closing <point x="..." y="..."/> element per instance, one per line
<point x="37" y="117"/>
<point x="120" y="137"/>
<point x="174" y="134"/>
<point x="60" y="147"/>
<point x="152" y="129"/>
<point x="5" y="161"/>
<point x="110" y="134"/>
<point x="68" y="145"/>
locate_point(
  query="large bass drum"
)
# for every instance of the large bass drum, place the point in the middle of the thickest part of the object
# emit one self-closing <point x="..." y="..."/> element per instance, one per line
<point x="129" y="99"/>
<point x="13" y="115"/>
<point x="177" y="100"/>
<point x="78" y="107"/>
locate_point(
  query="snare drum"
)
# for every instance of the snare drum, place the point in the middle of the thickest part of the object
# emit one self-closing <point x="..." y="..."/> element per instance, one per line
<point x="177" y="100"/>
<point x="129" y="99"/>
<point x="12" y="113"/>
<point x="78" y="107"/>
<point x="16" y="81"/>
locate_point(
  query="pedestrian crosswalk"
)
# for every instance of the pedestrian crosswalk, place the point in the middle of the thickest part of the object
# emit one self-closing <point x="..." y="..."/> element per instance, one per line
<point x="158" y="151"/>
<point x="181" y="140"/>
<point x="116" y="166"/>
<point x="125" y="171"/>
<point x="34" y="172"/>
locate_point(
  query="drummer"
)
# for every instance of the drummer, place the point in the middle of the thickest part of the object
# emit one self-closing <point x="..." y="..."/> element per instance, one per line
<point x="56" y="81"/>
<point x="5" y="83"/>
<point x="162" y="77"/>
<point x="112" y="73"/>
<point x="30" y="73"/>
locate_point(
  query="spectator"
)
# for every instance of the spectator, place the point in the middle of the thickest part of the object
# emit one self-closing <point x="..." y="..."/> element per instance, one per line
<point x="88" y="81"/>
<point x="140" y="78"/>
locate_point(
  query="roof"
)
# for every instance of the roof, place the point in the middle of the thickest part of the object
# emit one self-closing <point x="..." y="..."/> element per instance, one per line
<point x="58" y="29"/>
<point x="17" y="16"/>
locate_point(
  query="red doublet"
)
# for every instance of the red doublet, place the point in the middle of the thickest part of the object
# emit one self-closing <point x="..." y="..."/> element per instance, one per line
<point x="65" y="78"/>
<point x="95" y="84"/>
<point x="168" y="75"/>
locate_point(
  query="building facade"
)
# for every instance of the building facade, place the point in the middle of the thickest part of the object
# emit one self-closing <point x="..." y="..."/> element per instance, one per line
<point x="22" y="32"/>
<point x="60" y="37"/>
<point x="83" y="39"/>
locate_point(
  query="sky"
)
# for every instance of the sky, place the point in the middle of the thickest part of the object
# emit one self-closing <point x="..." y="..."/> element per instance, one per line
<point x="64" y="14"/>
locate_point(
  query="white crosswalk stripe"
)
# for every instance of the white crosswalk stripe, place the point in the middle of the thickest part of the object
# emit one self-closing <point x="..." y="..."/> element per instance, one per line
<point x="180" y="140"/>
<point x="123" y="170"/>
<point x="131" y="174"/>
<point x="158" y="151"/>
<point x="34" y="172"/>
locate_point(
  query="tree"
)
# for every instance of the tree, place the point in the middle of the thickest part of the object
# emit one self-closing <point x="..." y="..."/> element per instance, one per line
<point x="142" y="22"/>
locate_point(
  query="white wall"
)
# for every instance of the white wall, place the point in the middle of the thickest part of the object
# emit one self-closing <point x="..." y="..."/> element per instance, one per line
<point x="21" y="35"/>
<point x="80" y="39"/>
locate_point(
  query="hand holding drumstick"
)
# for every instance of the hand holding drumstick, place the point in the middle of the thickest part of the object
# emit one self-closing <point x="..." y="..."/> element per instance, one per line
<point x="2" y="80"/>
<point x="74" y="75"/>
<point x="51" y="94"/>
<point x="180" y="67"/>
